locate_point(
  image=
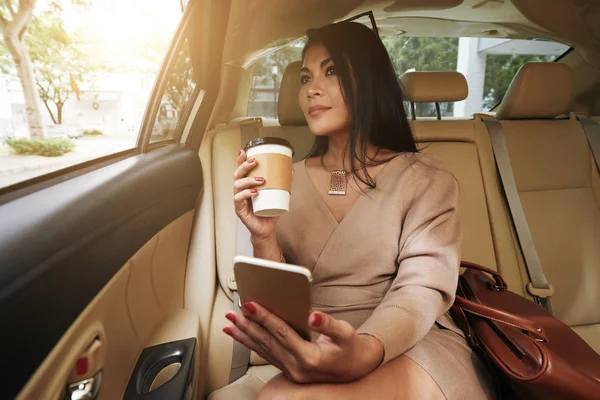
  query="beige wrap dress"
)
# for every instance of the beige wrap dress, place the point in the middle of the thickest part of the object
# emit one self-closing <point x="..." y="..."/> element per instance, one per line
<point x="390" y="267"/>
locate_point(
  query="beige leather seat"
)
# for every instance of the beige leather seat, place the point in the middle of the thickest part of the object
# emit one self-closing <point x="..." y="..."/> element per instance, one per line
<point x="463" y="144"/>
<point x="226" y="144"/>
<point x="559" y="186"/>
<point x="465" y="147"/>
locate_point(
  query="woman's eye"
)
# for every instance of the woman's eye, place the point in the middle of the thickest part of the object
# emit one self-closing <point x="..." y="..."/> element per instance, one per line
<point x="304" y="79"/>
<point x="330" y="71"/>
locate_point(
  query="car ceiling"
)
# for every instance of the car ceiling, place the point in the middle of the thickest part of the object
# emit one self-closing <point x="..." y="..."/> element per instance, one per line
<point x="256" y="24"/>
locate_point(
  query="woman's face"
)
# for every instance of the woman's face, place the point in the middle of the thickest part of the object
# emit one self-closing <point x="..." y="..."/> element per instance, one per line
<point x="320" y="95"/>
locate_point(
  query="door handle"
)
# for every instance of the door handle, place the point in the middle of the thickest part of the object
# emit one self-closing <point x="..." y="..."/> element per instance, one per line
<point x="85" y="379"/>
<point x="86" y="389"/>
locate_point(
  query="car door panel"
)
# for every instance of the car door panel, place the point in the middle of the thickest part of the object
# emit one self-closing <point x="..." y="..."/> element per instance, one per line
<point x="127" y="224"/>
<point x="119" y="318"/>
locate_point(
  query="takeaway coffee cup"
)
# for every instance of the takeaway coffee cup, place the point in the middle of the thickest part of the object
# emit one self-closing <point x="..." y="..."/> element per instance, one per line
<point x="274" y="158"/>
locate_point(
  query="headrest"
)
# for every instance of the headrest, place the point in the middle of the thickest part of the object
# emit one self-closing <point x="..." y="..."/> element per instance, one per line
<point x="288" y="109"/>
<point x="431" y="87"/>
<point x="538" y="90"/>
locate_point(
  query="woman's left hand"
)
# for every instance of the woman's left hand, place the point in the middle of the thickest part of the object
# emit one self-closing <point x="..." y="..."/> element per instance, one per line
<point x="338" y="355"/>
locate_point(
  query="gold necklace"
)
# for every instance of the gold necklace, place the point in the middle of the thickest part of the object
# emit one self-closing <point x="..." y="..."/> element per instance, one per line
<point x="338" y="182"/>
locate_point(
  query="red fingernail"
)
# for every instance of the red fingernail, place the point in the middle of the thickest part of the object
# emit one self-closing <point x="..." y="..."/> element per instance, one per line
<point x="253" y="190"/>
<point x="251" y="160"/>
<point x="251" y="308"/>
<point x="230" y="317"/>
<point x="227" y="330"/>
<point x="259" y="179"/>
<point x="317" y="320"/>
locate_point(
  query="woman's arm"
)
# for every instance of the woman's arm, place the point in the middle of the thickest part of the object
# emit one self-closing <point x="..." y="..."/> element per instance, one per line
<point x="267" y="248"/>
<point x="428" y="265"/>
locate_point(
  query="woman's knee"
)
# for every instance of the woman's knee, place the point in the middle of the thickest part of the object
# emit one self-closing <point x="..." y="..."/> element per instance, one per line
<point x="410" y="380"/>
<point x="400" y="378"/>
<point x="280" y="388"/>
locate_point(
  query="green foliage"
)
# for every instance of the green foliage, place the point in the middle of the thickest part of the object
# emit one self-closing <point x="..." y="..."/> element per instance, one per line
<point x="53" y="147"/>
<point x="277" y="55"/>
<point x="59" y="58"/>
<point x="263" y="67"/>
<point x="92" y="132"/>
<point x="419" y="54"/>
<point x="178" y="91"/>
<point x="56" y="54"/>
<point x="422" y="53"/>
<point x="499" y="72"/>
<point x="180" y="85"/>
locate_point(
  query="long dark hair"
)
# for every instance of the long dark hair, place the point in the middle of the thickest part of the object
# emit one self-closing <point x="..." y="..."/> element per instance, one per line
<point x="371" y="91"/>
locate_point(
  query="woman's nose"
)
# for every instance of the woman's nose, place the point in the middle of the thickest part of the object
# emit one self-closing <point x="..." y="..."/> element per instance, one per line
<point x="314" y="91"/>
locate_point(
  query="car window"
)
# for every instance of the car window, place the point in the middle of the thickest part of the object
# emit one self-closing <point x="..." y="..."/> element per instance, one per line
<point x="177" y="94"/>
<point x="75" y="86"/>
<point x="267" y="72"/>
<point x="489" y="64"/>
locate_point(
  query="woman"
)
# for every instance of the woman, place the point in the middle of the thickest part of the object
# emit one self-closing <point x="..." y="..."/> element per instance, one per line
<point x="384" y="255"/>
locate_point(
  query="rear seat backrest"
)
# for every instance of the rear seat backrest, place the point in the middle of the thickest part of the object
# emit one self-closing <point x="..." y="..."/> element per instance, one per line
<point x="465" y="147"/>
<point x="225" y="146"/>
<point x="555" y="176"/>
<point x="463" y="144"/>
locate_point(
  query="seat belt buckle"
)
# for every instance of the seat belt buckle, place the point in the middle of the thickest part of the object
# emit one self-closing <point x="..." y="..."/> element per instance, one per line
<point x="231" y="284"/>
<point x="540" y="292"/>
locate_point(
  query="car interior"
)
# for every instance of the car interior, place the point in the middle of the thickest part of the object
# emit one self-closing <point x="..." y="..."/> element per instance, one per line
<point x="115" y="279"/>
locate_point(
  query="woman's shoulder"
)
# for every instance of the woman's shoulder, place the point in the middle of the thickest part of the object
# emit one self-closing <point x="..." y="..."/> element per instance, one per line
<point x="427" y="159"/>
<point x="425" y="163"/>
<point x="425" y="169"/>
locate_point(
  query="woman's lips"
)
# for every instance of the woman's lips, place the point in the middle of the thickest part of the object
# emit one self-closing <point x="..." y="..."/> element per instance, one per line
<point x="317" y="110"/>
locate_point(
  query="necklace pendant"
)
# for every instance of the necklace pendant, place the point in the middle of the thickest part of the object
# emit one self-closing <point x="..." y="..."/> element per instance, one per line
<point x="337" y="184"/>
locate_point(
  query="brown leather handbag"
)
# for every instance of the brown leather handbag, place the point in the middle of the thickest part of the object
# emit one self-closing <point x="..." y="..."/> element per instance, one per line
<point x="534" y="355"/>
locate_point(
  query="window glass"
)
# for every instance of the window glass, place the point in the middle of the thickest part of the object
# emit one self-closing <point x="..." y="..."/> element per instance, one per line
<point x="488" y="64"/>
<point x="266" y="80"/>
<point x="423" y="54"/>
<point x="178" y="92"/>
<point x="75" y="86"/>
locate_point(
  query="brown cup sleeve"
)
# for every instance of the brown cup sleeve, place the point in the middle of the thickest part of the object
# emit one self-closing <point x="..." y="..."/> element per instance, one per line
<point x="276" y="169"/>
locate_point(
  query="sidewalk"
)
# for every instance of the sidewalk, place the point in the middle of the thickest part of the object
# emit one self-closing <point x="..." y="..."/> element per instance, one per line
<point x="16" y="168"/>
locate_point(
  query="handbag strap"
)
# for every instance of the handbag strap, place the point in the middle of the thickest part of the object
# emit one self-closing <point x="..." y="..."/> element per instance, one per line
<point x="500" y="282"/>
<point x="496" y="314"/>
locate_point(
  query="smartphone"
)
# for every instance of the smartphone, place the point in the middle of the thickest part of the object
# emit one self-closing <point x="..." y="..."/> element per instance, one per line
<point x="283" y="289"/>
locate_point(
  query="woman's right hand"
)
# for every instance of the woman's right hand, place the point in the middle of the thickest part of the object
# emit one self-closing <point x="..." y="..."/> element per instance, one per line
<point x="244" y="188"/>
